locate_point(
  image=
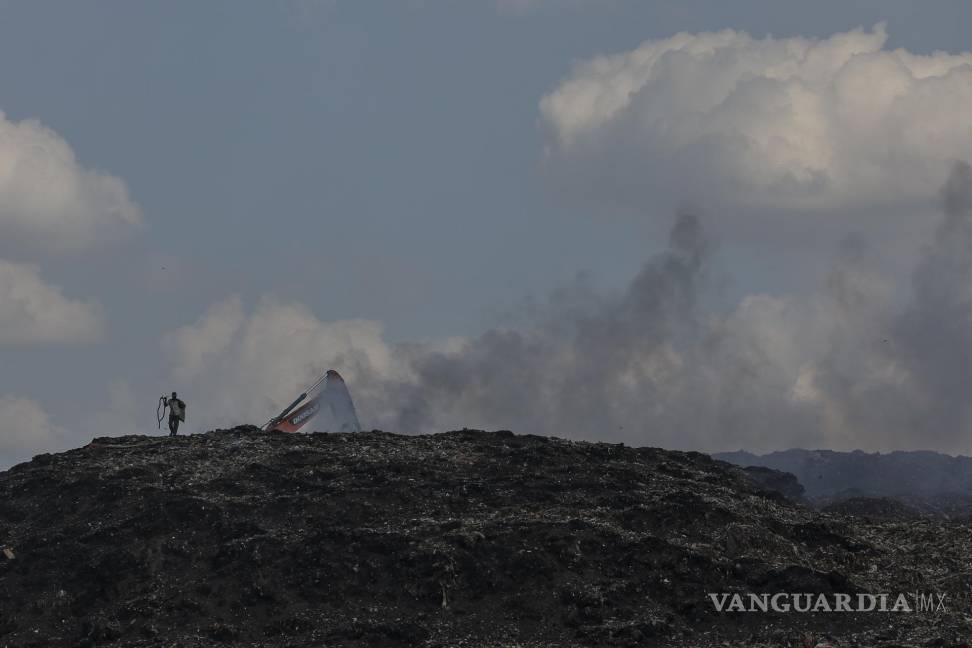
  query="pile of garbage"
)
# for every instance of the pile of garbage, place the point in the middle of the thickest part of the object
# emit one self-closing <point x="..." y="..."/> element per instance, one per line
<point x="468" y="538"/>
<point x="884" y="508"/>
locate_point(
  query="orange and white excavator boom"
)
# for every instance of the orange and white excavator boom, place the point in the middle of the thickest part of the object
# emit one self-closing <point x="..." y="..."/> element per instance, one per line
<point x="329" y="397"/>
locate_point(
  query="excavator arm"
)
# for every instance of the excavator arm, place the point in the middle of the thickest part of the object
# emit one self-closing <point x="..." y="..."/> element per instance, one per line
<point x="330" y="394"/>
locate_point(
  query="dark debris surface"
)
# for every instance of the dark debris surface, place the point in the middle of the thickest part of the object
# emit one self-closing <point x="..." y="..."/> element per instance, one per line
<point x="244" y="538"/>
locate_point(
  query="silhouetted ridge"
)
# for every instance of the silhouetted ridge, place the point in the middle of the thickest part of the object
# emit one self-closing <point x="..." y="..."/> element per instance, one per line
<point x="463" y="538"/>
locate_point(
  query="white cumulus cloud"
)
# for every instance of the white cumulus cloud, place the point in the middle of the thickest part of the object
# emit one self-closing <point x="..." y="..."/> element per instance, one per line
<point x="234" y="366"/>
<point x="35" y="312"/>
<point x="25" y="428"/>
<point x="789" y="124"/>
<point x="48" y="200"/>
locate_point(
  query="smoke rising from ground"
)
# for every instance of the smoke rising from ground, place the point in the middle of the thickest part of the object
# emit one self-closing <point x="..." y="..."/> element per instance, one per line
<point x="237" y="367"/>
<point x="850" y="366"/>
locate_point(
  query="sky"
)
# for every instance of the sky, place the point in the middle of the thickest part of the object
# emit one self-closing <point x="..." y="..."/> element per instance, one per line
<point x="690" y="224"/>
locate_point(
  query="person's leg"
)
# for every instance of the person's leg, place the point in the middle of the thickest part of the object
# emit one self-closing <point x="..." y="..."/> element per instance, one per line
<point x="173" y="426"/>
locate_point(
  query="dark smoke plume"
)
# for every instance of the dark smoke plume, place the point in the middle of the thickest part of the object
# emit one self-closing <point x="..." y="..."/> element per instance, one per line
<point x="844" y="368"/>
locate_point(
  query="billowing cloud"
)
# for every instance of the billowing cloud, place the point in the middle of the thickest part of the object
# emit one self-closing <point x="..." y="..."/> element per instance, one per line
<point x="849" y="366"/>
<point x="25" y="429"/>
<point x="35" y="312"/>
<point x="48" y="200"/>
<point x="789" y="125"/>
<point x="846" y="367"/>
<point x="233" y="366"/>
<point x="649" y="366"/>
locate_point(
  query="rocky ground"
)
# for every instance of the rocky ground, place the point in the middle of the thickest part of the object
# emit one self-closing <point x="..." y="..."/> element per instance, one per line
<point x="243" y="538"/>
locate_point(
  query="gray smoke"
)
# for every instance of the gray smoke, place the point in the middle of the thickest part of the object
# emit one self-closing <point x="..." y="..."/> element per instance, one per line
<point x="935" y="331"/>
<point x="596" y="368"/>
<point x="850" y="366"/>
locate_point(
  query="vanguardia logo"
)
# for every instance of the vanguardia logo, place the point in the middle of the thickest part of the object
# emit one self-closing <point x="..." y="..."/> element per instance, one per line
<point x="908" y="602"/>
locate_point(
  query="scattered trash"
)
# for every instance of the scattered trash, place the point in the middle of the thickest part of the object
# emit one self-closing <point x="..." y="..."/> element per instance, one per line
<point x="464" y="538"/>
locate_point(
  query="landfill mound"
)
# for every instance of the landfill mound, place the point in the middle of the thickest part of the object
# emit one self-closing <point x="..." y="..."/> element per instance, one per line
<point x="468" y="538"/>
<point x="860" y="503"/>
<point x="884" y="508"/>
<point x="776" y="480"/>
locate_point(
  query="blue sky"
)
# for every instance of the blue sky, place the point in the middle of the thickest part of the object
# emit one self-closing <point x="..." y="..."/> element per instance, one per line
<point x="379" y="161"/>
